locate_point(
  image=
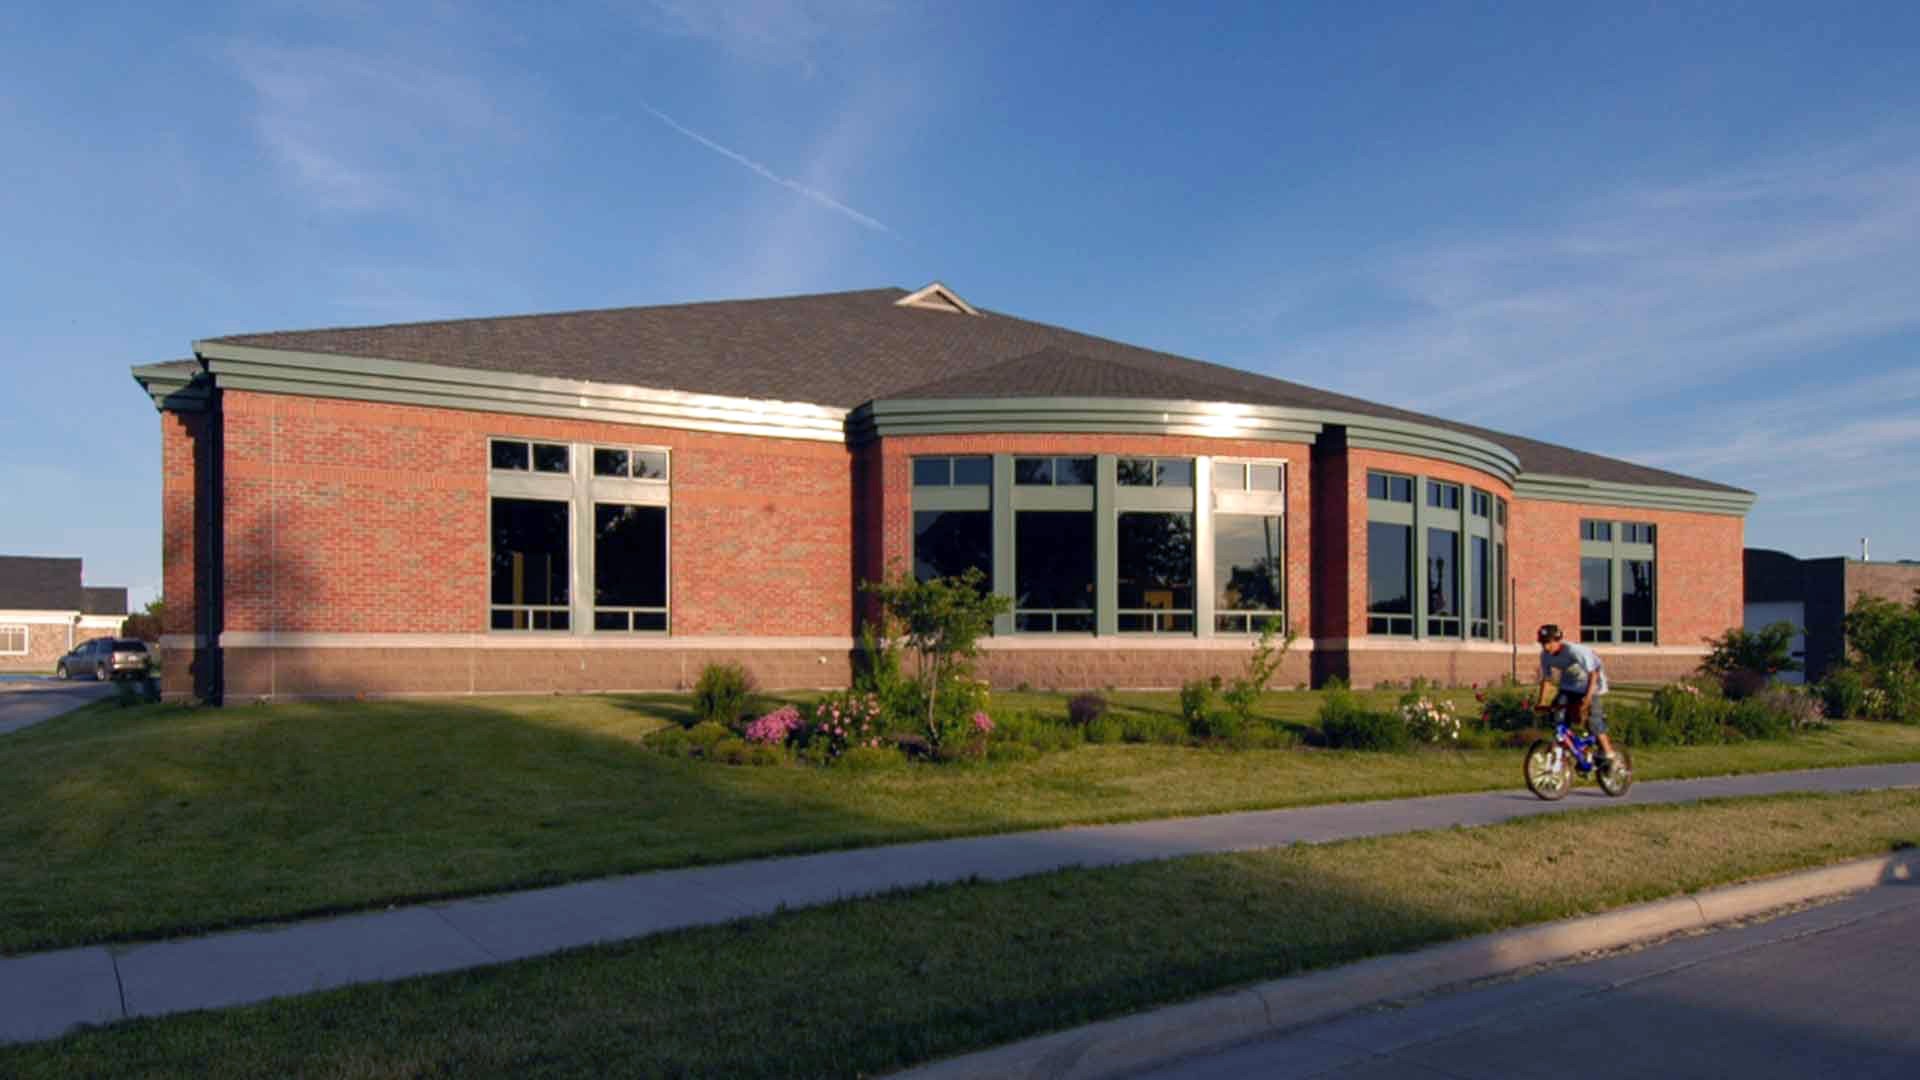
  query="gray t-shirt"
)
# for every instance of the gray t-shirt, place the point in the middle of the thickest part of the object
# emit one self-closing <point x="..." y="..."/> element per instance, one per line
<point x="1571" y="666"/>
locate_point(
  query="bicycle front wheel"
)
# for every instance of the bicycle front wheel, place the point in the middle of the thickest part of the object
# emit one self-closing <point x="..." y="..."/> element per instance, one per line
<point x="1547" y="771"/>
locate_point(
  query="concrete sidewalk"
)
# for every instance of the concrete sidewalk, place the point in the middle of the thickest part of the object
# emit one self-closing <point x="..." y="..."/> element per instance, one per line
<point x="45" y="994"/>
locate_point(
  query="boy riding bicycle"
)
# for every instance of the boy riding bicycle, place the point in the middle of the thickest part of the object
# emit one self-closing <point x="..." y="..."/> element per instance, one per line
<point x="1582" y="679"/>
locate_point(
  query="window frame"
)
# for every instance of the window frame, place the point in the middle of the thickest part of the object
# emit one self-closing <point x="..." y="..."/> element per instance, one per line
<point x="1618" y="550"/>
<point x="1423" y="512"/>
<point x="582" y="488"/>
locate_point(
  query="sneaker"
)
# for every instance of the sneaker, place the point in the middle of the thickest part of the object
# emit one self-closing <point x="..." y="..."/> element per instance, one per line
<point x="1603" y="762"/>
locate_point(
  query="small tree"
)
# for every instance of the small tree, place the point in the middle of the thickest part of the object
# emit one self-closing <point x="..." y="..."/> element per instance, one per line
<point x="942" y="620"/>
<point x="1243" y="693"/>
<point x="1743" y="661"/>
<point x="145" y="625"/>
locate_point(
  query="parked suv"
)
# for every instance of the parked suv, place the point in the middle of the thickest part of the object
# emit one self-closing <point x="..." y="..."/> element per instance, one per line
<point x="107" y="658"/>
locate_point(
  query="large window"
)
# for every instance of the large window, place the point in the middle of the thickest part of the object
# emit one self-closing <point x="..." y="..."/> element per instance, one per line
<point x="1249" y="556"/>
<point x="13" y="640"/>
<point x="1596" y="599"/>
<point x="629" y="567"/>
<point x="1389" y="578"/>
<point x="1435" y="563"/>
<point x="1156" y="572"/>
<point x="947" y="542"/>
<point x="580" y="537"/>
<point x="1617" y="578"/>
<point x="1054" y="571"/>
<point x="530" y="588"/>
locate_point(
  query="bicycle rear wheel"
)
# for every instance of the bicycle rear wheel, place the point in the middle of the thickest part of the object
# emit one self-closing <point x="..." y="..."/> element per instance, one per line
<point x="1546" y="770"/>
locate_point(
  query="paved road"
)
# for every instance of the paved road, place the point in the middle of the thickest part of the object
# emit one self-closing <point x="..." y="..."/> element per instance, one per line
<point x="1828" y="991"/>
<point x="24" y="704"/>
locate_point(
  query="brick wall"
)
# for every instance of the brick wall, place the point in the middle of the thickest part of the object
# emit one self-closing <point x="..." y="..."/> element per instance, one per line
<point x="1698" y="572"/>
<point x="353" y="517"/>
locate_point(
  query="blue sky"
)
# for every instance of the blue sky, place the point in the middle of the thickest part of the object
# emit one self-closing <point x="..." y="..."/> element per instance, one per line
<point x="1685" y="235"/>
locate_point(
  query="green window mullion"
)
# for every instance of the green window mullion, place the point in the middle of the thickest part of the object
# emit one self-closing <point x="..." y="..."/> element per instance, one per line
<point x="1106" y="546"/>
<point x="1001" y="502"/>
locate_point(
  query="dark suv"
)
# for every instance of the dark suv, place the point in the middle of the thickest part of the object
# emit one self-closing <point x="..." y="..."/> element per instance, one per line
<point x="107" y="658"/>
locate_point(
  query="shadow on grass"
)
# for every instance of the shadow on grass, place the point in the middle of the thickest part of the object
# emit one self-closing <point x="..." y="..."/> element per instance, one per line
<point x="131" y="823"/>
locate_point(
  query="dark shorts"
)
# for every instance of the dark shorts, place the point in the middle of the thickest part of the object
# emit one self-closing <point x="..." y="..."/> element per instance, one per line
<point x="1597" y="719"/>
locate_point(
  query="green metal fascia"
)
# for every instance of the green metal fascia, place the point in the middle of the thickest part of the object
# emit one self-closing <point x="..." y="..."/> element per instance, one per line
<point x="1647" y="496"/>
<point x="408" y="383"/>
<point x="172" y="388"/>
<point x="1080" y="415"/>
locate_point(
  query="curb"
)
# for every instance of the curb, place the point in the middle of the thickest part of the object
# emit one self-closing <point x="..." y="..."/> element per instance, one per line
<point x="1148" y="1039"/>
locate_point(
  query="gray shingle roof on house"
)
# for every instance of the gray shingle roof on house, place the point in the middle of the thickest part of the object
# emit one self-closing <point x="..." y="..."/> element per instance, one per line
<point x="103" y="600"/>
<point x="33" y="583"/>
<point x="845" y="349"/>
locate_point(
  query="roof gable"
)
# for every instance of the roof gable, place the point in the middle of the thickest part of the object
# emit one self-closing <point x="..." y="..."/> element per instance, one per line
<point x="32" y="583"/>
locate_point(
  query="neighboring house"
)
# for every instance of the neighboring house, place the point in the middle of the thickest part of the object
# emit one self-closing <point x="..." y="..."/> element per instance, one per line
<point x="611" y="499"/>
<point x="1814" y="595"/>
<point x="45" y="611"/>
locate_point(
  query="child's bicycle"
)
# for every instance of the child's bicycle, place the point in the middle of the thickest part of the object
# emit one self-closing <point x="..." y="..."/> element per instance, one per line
<point x="1551" y="765"/>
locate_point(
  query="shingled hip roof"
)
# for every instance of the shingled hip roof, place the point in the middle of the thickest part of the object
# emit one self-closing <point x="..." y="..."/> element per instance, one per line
<point x="852" y="348"/>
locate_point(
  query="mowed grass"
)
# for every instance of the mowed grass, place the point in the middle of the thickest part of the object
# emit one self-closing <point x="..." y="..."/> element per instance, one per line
<point x="865" y="986"/>
<point x="123" y="824"/>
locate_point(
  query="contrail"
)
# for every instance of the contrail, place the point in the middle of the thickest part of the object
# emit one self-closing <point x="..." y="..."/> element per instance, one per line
<point x="820" y="197"/>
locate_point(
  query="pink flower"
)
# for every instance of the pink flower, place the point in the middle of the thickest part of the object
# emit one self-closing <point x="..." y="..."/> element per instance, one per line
<point x="982" y="723"/>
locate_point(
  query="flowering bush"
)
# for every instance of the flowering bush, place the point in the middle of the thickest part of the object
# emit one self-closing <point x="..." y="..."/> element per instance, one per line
<point x="775" y="728"/>
<point x="1507" y="708"/>
<point x="1428" y="720"/>
<point x="982" y="724"/>
<point x="844" y="720"/>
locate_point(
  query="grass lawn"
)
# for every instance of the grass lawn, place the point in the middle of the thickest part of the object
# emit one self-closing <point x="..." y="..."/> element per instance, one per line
<point x="864" y="986"/>
<point x="121" y="824"/>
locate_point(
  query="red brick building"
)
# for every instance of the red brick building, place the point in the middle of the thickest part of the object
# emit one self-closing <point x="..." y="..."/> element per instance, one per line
<point x="611" y="499"/>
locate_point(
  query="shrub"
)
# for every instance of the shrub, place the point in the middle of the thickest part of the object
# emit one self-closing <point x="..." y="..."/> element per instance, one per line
<point x="1085" y="707"/>
<point x="775" y="728"/>
<point x="1363" y="729"/>
<point x="1753" y="719"/>
<point x="704" y="736"/>
<point x="1692" y="716"/>
<point x="1151" y="728"/>
<point x="842" y="720"/>
<point x="1104" y="730"/>
<point x="1196" y="701"/>
<point x="1798" y="708"/>
<point x="1901" y="690"/>
<point x="732" y="750"/>
<point x="673" y="742"/>
<point x="877" y="671"/>
<point x="722" y="693"/>
<point x="1428" y="720"/>
<point x="1037" y="731"/>
<point x="1744" y="661"/>
<point x="1261" y="737"/>
<point x="1506" y="708"/>
<point x="1843" y="693"/>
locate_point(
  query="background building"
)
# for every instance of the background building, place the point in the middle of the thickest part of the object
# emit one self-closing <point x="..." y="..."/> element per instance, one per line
<point x="45" y="611"/>
<point x="611" y="499"/>
<point x="1814" y="595"/>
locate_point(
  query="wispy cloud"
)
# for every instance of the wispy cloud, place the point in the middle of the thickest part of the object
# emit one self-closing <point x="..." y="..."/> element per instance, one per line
<point x="781" y="32"/>
<point x="358" y="131"/>
<point x="812" y="193"/>
<point x="1643" y="292"/>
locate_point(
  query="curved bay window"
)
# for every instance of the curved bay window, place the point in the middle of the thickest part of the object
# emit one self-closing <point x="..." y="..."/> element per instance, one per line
<point x="1054" y="572"/>
<point x="1249" y="556"/>
<point x="1435" y="563"/>
<point x="1156" y="572"/>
